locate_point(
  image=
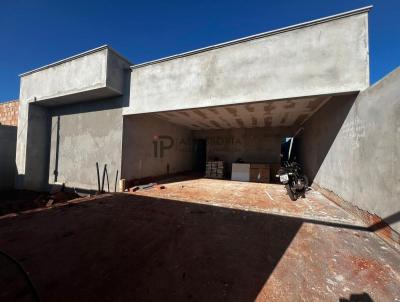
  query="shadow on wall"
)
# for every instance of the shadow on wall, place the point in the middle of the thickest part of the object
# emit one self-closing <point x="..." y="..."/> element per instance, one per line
<point x="385" y="222"/>
<point x="315" y="142"/>
<point x="8" y="144"/>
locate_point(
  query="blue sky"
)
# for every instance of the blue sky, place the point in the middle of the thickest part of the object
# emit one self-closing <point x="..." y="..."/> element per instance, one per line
<point x="36" y="33"/>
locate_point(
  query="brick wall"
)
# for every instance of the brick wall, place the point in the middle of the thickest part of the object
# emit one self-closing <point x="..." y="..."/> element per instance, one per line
<point x="9" y="113"/>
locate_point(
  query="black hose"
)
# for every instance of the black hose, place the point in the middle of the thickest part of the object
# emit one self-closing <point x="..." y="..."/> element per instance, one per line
<point x="116" y="180"/>
<point x="98" y="176"/>
<point x="25" y="274"/>
<point x="108" y="181"/>
<point x="104" y="176"/>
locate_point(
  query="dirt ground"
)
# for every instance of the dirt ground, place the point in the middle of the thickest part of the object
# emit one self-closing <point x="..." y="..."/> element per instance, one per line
<point x="197" y="240"/>
<point x="13" y="202"/>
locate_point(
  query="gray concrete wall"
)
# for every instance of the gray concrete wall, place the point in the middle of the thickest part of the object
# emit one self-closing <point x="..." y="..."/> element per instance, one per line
<point x="37" y="148"/>
<point x="95" y="74"/>
<point x="144" y="137"/>
<point x="89" y="70"/>
<point x="318" y="58"/>
<point x="78" y="90"/>
<point x="8" y="144"/>
<point x="352" y="147"/>
<point x="253" y="145"/>
<point x="81" y="136"/>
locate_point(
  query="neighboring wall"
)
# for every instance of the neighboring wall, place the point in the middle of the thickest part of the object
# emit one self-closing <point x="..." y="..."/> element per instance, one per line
<point x="321" y="57"/>
<point x="154" y="147"/>
<point x="8" y="141"/>
<point x="353" y="149"/>
<point x="252" y="145"/>
<point x="81" y="136"/>
<point x="9" y="113"/>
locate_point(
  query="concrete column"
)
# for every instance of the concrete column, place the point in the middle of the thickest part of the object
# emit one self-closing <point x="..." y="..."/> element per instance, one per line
<point x="32" y="147"/>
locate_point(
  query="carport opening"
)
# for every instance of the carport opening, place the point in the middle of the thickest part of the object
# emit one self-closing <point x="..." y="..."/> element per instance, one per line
<point x="244" y="142"/>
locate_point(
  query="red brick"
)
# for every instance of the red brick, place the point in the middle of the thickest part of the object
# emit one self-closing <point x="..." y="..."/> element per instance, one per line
<point x="9" y="113"/>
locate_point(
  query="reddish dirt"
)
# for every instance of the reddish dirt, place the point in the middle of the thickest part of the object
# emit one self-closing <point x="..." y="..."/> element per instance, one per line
<point x="14" y="202"/>
<point x="131" y="247"/>
<point x="271" y="198"/>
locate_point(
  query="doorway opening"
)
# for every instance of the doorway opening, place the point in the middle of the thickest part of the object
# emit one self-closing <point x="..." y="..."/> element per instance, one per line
<point x="288" y="149"/>
<point x="200" y="155"/>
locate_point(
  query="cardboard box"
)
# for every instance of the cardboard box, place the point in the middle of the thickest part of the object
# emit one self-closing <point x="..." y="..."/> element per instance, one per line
<point x="260" y="173"/>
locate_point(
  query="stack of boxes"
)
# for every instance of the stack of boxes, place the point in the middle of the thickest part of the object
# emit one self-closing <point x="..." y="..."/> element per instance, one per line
<point x="215" y="169"/>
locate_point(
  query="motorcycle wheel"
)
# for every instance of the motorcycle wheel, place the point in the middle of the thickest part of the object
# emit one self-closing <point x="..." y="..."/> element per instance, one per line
<point x="305" y="182"/>
<point x="292" y="196"/>
<point x="303" y="194"/>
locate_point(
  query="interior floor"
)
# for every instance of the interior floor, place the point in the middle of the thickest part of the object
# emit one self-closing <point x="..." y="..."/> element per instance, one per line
<point x="259" y="197"/>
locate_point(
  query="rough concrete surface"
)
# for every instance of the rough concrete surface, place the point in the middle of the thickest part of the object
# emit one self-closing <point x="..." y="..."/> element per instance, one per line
<point x="322" y="58"/>
<point x="81" y="136"/>
<point x="352" y="148"/>
<point x="160" y="246"/>
<point x="91" y="71"/>
<point x="78" y="79"/>
<point x="37" y="149"/>
<point x="153" y="146"/>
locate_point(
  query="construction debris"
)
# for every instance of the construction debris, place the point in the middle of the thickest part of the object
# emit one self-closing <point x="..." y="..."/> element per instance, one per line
<point x="142" y="187"/>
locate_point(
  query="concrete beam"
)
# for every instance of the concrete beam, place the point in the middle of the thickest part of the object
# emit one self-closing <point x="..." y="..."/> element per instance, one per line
<point x="325" y="56"/>
<point x="97" y="73"/>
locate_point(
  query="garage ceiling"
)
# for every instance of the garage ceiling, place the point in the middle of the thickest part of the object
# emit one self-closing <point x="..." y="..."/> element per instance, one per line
<point x="282" y="113"/>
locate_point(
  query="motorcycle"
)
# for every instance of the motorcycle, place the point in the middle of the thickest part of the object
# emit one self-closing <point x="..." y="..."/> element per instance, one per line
<point x="291" y="175"/>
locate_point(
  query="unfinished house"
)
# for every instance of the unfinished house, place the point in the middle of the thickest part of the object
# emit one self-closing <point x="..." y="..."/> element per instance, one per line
<point x="235" y="100"/>
<point x="96" y="121"/>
